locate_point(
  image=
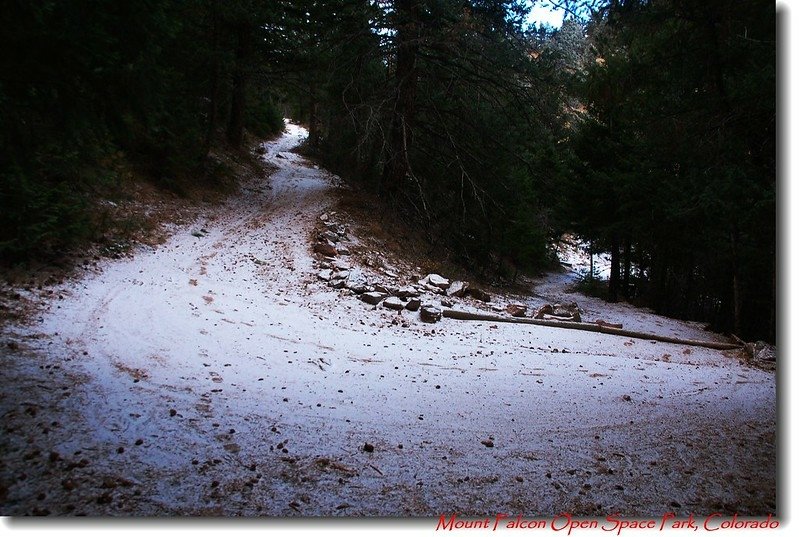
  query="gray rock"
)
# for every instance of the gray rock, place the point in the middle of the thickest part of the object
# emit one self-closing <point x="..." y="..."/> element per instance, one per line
<point x="325" y="275"/>
<point x="373" y="297"/>
<point x="413" y="304"/>
<point x="407" y="291"/>
<point x="447" y="303"/>
<point x="393" y="303"/>
<point x="761" y="351"/>
<point x="342" y="250"/>
<point x="340" y="265"/>
<point x="436" y="280"/>
<point x="430" y="314"/>
<point x="457" y="288"/>
<point x="328" y="236"/>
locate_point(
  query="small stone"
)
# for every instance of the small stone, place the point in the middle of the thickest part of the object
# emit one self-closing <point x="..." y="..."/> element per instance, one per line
<point x="325" y="248"/>
<point x="413" y="304"/>
<point x="447" y="303"/>
<point x="487" y="443"/>
<point x="393" y="303"/>
<point x="407" y="291"/>
<point x="373" y="297"/>
<point x="479" y="294"/>
<point x="436" y="280"/>
<point x="369" y="448"/>
<point x="516" y="310"/>
<point x="457" y="288"/>
<point x="172" y="412"/>
<point x="626" y="397"/>
<point x="430" y="314"/>
<point x="325" y="275"/>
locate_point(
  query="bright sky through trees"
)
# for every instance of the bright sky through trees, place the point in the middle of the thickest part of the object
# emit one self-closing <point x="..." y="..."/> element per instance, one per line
<point x="544" y="13"/>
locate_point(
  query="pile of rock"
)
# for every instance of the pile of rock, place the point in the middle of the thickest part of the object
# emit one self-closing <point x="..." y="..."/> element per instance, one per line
<point x="330" y="239"/>
<point x="559" y="312"/>
<point x="381" y="287"/>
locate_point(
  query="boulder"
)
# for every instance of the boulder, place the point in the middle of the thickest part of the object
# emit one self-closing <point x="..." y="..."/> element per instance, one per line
<point x="447" y="303"/>
<point x="407" y="292"/>
<point x="479" y="294"/>
<point x="413" y="304"/>
<point x="546" y="309"/>
<point x="437" y="280"/>
<point x="325" y="248"/>
<point x="328" y="236"/>
<point x="430" y="314"/>
<point x="761" y="351"/>
<point x="457" y="288"/>
<point x="339" y="283"/>
<point x="516" y="310"/>
<point x="340" y="265"/>
<point x="325" y="275"/>
<point x="373" y="297"/>
<point x="393" y="303"/>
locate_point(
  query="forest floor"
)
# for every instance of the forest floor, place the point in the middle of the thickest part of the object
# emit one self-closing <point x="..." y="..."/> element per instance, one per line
<point x="216" y="374"/>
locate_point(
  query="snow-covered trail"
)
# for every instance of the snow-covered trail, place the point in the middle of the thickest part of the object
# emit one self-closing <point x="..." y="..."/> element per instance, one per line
<point x="215" y="375"/>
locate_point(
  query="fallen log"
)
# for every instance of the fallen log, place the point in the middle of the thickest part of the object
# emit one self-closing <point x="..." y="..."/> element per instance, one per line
<point x="602" y="329"/>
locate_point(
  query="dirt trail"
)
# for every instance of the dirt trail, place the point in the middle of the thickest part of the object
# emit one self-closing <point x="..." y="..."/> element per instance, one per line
<point x="215" y="375"/>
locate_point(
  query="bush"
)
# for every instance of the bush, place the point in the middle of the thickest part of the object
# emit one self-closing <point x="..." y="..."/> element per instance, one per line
<point x="38" y="218"/>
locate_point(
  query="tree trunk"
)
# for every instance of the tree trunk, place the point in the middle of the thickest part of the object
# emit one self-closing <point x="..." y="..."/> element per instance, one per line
<point x="627" y="267"/>
<point x="407" y="39"/>
<point x="313" y="119"/>
<point x="736" y="283"/>
<point x="613" y="283"/>
<point x="238" y="104"/>
<point x="213" y="97"/>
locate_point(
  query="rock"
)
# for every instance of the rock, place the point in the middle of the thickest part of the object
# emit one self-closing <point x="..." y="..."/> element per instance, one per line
<point x="385" y="289"/>
<point x="761" y="351"/>
<point x="367" y="447"/>
<point x="413" y="304"/>
<point x="559" y="312"/>
<point x="328" y="236"/>
<point x="323" y="217"/>
<point x="487" y="443"/>
<point x="407" y="291"/>
<point x="343" y="250"/>
<point x="393" y="303"/>
<point x="516" y="310"/>
<point x="373" y="297"/>
<point x="341" y="275"/>
<point x="447" y="303"/>
<point x="325" y="275"/>
<point x="339" y="283"/>
<point x="358" y="285"/>
<point x="626" y="397"/>
<point x="457" y="288"/>
<point x="436" y="280"/>
<point x="430" y="314"/>
<point x="479" y="294"/>
<point x="340" y="264"/>
<point x="325" y="248"/>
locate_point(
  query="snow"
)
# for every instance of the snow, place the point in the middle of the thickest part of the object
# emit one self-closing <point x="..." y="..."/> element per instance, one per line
<point x="238" y="383"/>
